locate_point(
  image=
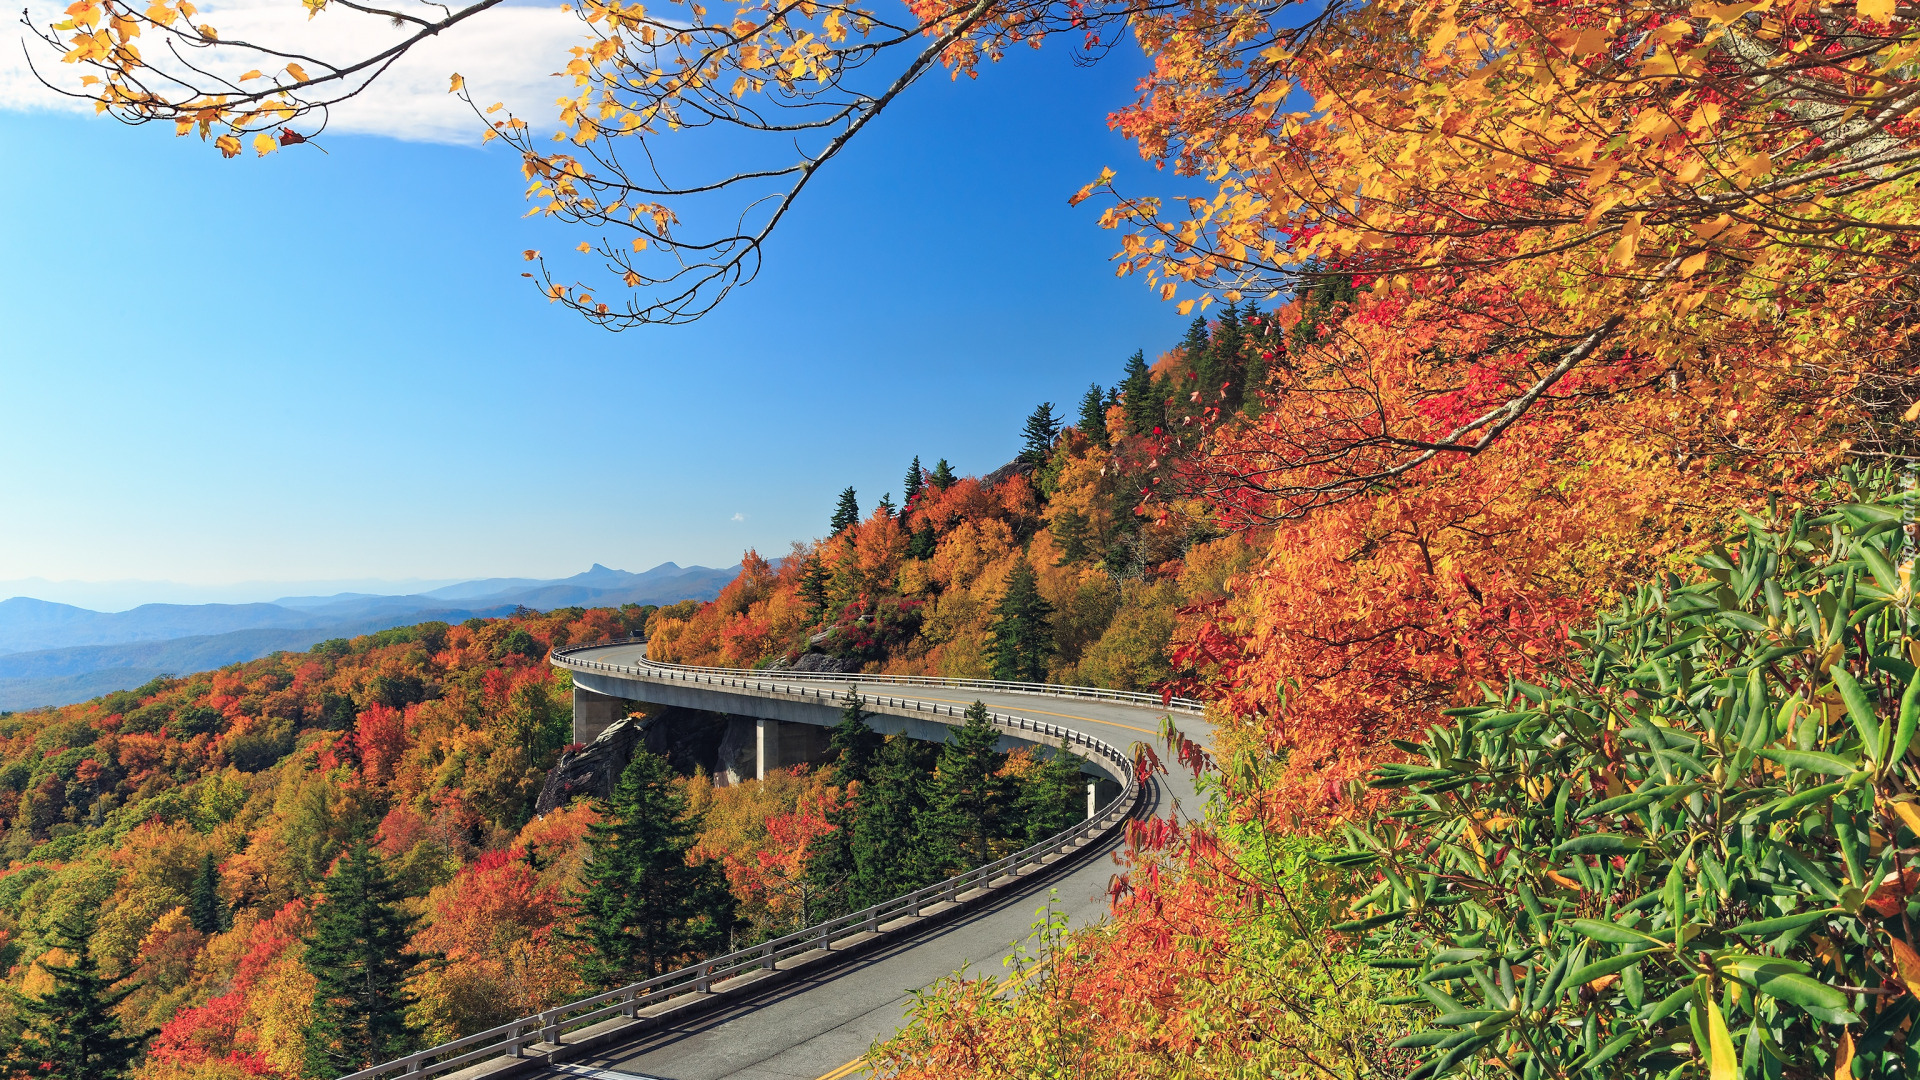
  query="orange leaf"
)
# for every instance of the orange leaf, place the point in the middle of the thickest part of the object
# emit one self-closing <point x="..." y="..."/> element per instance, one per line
<point x="1843" y="1061"/>
<point x="1908" y="963"/>
<point x="456" y="84"/>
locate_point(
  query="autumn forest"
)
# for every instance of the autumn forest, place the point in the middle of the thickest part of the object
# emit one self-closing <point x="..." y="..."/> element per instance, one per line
<point x="1530" y="502"/>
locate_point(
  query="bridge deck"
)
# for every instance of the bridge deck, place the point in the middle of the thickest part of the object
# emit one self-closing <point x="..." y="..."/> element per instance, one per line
<point x="815" y="1026"/>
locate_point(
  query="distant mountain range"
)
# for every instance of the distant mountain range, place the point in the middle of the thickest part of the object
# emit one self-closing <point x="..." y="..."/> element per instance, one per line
<point x="52" y="654"/>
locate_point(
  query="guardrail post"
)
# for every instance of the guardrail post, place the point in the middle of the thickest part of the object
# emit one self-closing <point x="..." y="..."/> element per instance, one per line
<point x="550" y="1027"/>
<point x="873" y="920"/>
<point x="413" y="1064"/>
<point x="515" y="1048"/>
<point x="631" y="1004"/>
<point x="766" y="956"/>
<point x="702" y="984"/>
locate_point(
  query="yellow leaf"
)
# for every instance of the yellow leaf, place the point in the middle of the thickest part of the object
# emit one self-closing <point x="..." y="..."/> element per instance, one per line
<point x="1905" y="810"/>
<point x="1907" y="962"/>
<point x="297" y="72"/>
<point x="1691" y="265"/>
<point x="227" y="145"/>
<point x="1880" y="11"/>
<point x="263" y="144"/>
<point x="1843" y="1061"/>
<point x="456" y="84"/>
<point x="584" y="246"/>
<point x="1186" y="307"/>
<point x="496" y="107"/>
<point x="208" y="32"/>
<point x="1725" y="1065"/>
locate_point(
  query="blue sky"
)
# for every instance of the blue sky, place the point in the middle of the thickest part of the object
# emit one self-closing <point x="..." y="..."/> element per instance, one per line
<point x="326" y="366"/>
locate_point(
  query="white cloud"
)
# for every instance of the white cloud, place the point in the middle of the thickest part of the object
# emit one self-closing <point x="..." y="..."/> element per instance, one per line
<point x="508" y="54"/>
<point x="739" y="517"/>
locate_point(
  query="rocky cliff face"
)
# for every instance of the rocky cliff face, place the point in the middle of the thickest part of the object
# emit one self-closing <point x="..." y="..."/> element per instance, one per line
<point x="688" y="738"/>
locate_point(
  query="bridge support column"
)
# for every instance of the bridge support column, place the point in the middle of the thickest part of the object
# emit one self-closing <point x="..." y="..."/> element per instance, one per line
<point x="592" y="714"/>
<point x="766" y="747"/>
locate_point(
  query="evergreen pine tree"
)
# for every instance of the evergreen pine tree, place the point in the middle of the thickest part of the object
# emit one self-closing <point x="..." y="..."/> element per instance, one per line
<point x="1197" y="351"/>
<point x="71" y="1033"/>
<point x="1260" y="340"/>
<point x="1229" y="347"/>
<point x="1054" y="796"/>
<point x="942" y="476"/>
<point x="357" y="956"/>
<point x="915" y="477"/>
<point x="884" y="846"/>
<point x="813" y="587"/>
<point x="1093" y="415"/>
<point x="845" y="514"/>
<point x="968" y="805"/>
<point x="1022" y="633"/>
<point x="644" y="910"/>
<point x="1144" y="409"/>
<point x="1041" y="430"/>
<point x="830" y="862"/>
<point x="204" y="909"/>
<point x="886" y="503"/>
<point x="923" y="543"/>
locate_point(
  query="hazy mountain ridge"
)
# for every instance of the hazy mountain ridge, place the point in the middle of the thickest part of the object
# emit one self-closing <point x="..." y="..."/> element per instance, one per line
<point x="51" y="654"/>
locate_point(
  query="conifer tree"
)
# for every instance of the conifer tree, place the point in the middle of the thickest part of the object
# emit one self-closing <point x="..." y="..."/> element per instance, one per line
<point x="1260" y="340"/>
<point x="1229" y="346"/>
<point x="71" y="1033"/>
<point x="1093" y="415"/>
<point x="845" y="514"/>
<point x="886" y="503"/>
<point x="204" y="909"/>
<point x="1144" y="409"/>
<point x="942" y="477"/>
<point x="1054" y="796"/>
<point x="1041" y="430"/>
<point x="923" y="544"/>
<point x="813" y="587"/>
<point x="884" y="844"/>
<point x="968" y="803"/>
<point x="357" y="955"/>
<point x="1197" y="351"/>
<point x="915" y="478"/>
<point x="644" y="910"/>
<point x="830" y="862"/>
<point x="1022" y="631"/>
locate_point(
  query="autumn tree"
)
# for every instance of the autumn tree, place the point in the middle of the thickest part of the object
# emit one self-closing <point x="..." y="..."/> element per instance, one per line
<point x="845" y="515"/>
<point x="1022" y="629"/>
<point x="643" y="909"/>
<point x="359" y="960"/>
<point x="71" y="1032"/>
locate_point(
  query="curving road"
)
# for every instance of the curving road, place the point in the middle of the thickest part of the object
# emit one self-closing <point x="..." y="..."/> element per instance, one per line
<point x="818" y="1027"/>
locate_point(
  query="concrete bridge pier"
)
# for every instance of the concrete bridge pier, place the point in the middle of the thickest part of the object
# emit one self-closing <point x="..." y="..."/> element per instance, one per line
<point x="592" y="714"/>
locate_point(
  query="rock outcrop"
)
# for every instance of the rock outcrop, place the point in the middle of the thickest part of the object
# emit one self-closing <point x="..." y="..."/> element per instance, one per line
<point x="592" y="770"/>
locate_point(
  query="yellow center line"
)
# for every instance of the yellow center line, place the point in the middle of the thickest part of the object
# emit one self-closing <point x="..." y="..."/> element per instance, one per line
<point x="845" y="1069"/>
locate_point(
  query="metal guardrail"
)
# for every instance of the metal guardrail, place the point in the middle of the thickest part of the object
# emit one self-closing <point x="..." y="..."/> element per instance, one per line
<point x="1093" y="693"/>
<point x="512" y="1039"/>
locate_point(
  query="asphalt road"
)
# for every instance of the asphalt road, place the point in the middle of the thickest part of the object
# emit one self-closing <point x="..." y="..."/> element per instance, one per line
<point x="820" y="1026"/>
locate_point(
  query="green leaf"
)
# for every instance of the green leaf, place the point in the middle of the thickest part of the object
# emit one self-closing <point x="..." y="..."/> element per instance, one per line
<point x="1823" y="1002"/>
<point x="1859" y="711"/>
<point x="1368" y="923"/>
<point x="1600" y="844"/>
<point x="1811" y="761"/>
<point x="1770" y="927"/>
<point x="1613" y="933"/>
<point x="1601" y="968"/>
